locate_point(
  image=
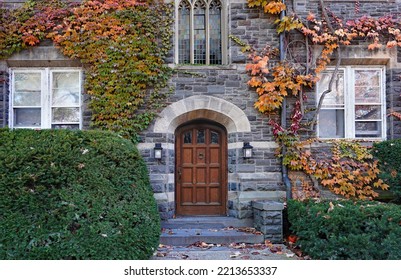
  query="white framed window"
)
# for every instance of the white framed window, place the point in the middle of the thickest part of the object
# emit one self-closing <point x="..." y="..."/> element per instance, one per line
<point x="355" y="108"/>
<point x="201" y="32"/>
<point x="46" y="98"/>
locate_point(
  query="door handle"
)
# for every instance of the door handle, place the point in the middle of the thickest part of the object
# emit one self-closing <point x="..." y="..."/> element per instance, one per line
<point x="179" y="174"/>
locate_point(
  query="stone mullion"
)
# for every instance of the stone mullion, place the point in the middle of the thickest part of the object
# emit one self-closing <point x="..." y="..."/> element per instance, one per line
<point x="207" y="34"/>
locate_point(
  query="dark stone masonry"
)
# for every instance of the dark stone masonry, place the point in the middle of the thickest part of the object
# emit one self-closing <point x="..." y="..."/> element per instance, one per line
<point x="219" y="95"/>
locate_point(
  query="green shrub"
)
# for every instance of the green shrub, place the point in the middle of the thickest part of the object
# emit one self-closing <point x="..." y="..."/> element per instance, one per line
<point x="351" y="230"/>
<point x="74" y="195"/>
<point x="389" y="155"/>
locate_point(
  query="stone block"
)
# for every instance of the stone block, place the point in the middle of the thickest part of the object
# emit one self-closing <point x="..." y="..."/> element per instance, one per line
<point x="248" y="186"/>
<point x="213" y="89"/>
<point x="158" y="188"/>
<point x="268" y="218"/>
<point x="243" y="214"/>
<point x="268" y="205"/>
<point x="271" y="229"/>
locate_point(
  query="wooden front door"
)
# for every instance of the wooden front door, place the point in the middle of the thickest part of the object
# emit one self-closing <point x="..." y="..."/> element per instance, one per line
<point x="201" y="170"/>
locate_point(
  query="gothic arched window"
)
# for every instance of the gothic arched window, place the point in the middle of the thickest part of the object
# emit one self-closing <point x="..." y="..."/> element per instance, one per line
<point x="200" y="32"/>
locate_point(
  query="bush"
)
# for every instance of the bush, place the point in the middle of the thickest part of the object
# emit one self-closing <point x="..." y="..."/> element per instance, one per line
<point x="74" y="195"/>
<point x="351" y="230"/>
<point x="389" y="155"/>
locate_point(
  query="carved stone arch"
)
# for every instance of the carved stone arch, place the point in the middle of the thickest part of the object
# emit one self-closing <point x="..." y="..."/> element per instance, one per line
<point x="202" y="107"/>
<point x="184" y="4"/>
<point x="215" y="4"/>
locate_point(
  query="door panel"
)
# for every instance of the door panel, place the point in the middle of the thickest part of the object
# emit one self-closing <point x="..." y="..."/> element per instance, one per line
<point x="201" y="170"/>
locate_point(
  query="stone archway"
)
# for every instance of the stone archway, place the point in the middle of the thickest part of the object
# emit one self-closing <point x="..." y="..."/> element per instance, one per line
<point x="194" y="109"/>
<point x="202" y="107"/>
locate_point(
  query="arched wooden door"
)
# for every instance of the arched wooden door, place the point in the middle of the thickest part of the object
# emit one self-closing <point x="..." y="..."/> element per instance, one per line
<point x="201" y="169"/>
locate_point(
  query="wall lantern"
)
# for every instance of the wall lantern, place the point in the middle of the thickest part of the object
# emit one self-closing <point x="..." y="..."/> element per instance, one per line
<point x="158" y="150"/>
<point x="247" y="148"/>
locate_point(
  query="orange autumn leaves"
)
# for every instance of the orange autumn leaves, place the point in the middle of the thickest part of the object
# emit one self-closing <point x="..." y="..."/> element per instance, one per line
<point x="274" y="81"/>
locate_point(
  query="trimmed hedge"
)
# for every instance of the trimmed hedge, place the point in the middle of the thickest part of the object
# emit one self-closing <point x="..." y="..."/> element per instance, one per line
<point x="389" y="155"/>
<point x="359" y="230"/>
<point x="74" y="195"/>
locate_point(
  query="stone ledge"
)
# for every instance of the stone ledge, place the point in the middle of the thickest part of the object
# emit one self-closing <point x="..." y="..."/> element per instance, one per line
<point x="268" y="176"/>
<point x="268" y="205"/>
<point x="261" y="195"/>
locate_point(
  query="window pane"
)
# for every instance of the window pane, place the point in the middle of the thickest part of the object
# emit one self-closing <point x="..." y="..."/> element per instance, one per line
<point x="27" y="117"/>
<point x="214" y="137"/>
<point x="65" y="115"/>
<point x="188" y="137"/>
<point x="367" y="95"/>
<point x="199" y="33"/>
<point x="184" y="33"/>
<point x="66" y="126"/>
<point x="27" y="89"/>
<point x="370" y="78"/>
<point x="65" y="97"/>
<point x="65" y="89"/>
<point x="336" y="96"/>
<point x="66" y="79"/>
<point x="367" y="129"/>
<point x="331" y="124"/>
<point x="365" y="112"/>
<point x="201" y="136"/>
<point x="215" y="32"/>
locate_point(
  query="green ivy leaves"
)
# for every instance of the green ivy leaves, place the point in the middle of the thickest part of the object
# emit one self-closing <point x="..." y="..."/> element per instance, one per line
<point x="122" y="49"/>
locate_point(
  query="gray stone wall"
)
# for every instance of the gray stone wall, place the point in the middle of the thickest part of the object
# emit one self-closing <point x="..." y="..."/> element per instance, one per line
<point x="358" y="53"/>
<point x="248" y="179"/>
<point x="347" y="8"/>
<point x="257" y="178"/>
<point x="251" y="26"/>
<point x="3" y="98"/>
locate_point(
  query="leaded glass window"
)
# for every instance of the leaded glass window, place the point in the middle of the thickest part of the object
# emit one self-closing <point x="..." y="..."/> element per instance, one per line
<point x="200" y="32"/>
<point x="184" y="49"/>
<point x="215" y="32"/>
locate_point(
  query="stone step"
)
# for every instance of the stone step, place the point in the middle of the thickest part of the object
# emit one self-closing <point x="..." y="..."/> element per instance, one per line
<point x="185" y="237"/>
<point x="212" y="230"/>
<point x="206" y="222"/>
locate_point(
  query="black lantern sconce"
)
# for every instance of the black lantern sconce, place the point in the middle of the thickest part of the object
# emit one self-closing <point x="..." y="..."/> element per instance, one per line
<point x="158" y="150"/>
<point x="247" y="148"/>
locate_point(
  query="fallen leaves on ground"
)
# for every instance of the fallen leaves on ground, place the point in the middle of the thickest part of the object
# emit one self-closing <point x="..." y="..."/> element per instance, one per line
<point x="249" y="230"/>
<point x="168" y="231"/>
<point x="160" y="254"/>
<point x="203" y="245"/>
<point x="238" y="245"/>
<point x="162" y="246"/>
<point x="296" y="250"/>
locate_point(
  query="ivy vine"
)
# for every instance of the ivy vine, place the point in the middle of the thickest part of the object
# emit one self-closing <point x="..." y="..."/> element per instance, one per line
<point x="121" y="43"/>
<point x="348" y="169"/>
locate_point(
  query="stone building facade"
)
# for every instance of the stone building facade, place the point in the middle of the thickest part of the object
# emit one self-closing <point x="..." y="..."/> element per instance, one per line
<point x="210" y="116"/>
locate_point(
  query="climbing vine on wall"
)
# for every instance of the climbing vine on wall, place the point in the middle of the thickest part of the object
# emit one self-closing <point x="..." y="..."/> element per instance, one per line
<point x="349" y="170"/>
<point x="121" y="43"/>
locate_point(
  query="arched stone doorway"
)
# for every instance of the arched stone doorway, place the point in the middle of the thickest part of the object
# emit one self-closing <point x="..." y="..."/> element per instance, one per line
<point x="233" y="126"/>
